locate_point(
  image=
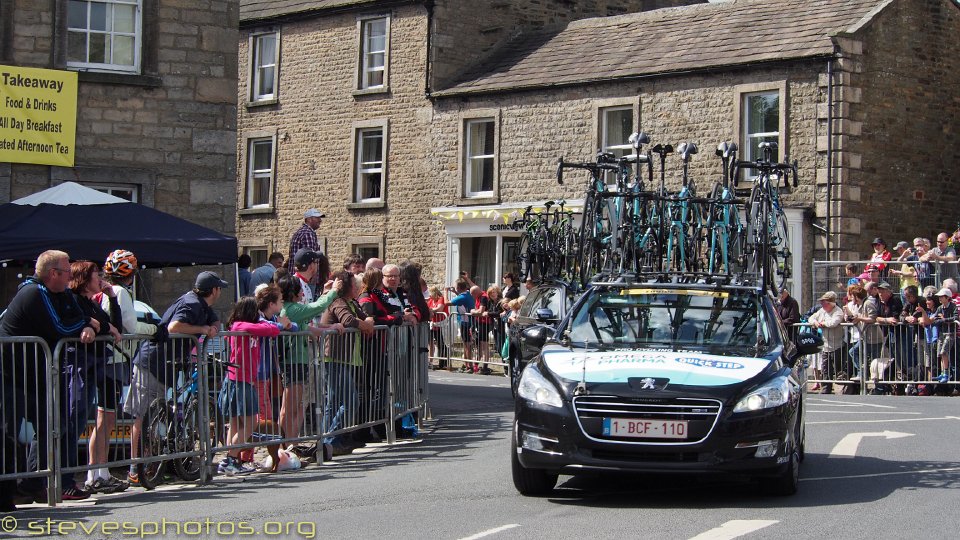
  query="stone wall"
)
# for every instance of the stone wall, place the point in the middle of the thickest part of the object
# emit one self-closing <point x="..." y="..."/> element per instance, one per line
<point x="314" y="121"/>
<point x="898" y="126"/>
<point x="170" y="131"/>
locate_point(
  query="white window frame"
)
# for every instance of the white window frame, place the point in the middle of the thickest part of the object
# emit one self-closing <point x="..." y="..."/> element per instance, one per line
<point x="137" y="35"/>
<point x="741" y="135"/>
<point x="363" y="169"/>
<point x="258" y="63"/>
<point x="618" y="149"/>
<point x="749" y="136"/>
<point x="468" y="158"/>
<point x="114" y="189"/>
<point x="365" y="67"/>
<point x="252" y="175"/>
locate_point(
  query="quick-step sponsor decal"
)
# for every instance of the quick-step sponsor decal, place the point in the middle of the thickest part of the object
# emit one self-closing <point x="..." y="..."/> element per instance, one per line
<point x="687" y="368"/>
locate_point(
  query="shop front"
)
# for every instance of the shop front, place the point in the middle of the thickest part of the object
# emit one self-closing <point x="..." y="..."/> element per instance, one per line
<point x="483" y="240"/>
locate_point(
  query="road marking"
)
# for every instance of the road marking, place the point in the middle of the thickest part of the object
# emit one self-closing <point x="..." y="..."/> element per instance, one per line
<point x="884" y="421"/>
<point x="488" y="532"/>
<point x="847" y="447"/>
<point x="849" y="404"/>
<point x="877" y="475"/>
<point x="865" y="412"/>
<point x="734" y="529"/>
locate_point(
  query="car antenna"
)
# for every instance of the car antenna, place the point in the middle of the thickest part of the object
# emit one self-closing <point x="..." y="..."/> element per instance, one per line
<point x="581" y="388"/>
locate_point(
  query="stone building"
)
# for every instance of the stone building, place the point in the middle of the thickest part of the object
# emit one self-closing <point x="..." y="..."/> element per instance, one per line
<point x="335" y="113"/>
<point x="156" y="106"/>
<point x="859" y="92"/>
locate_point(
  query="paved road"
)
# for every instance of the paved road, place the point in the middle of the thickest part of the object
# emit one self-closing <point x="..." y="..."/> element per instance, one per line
<point x="877" y="467"/>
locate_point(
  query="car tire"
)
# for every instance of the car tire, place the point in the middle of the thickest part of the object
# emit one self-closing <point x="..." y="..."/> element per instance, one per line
<point x="786" y="482"/>
<point x="529" y="482"/>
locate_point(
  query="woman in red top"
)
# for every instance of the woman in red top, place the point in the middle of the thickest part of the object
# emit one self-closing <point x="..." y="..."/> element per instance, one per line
<point x="880" y="256"/>
<point x="441" y="312"/>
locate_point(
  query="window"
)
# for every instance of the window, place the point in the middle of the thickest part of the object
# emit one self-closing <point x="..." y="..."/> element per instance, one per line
<point x="260" y="173"/>
<point x="104" y="35"/>
<point x="369" y="175"/>
<point x="264" y="55"/>
<point x="480" y="159"/>
<point x="258" y="256"/>
<point x="129" y="193"/>
<point x="373" y="53"/>
<point x="616" y="126"/>
<point x="366" y="252"/>
<point x="760" y="122"/>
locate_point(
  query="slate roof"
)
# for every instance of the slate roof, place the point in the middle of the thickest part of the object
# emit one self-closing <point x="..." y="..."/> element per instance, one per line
<point x="666" y="41"/>
<point x="251" y="10"/>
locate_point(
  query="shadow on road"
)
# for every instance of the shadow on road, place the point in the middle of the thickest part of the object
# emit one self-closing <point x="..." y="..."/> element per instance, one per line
<point x="860" y="480"/>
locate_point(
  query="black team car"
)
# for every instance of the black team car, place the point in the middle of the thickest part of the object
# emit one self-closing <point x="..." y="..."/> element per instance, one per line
<point x="690" y="378"/>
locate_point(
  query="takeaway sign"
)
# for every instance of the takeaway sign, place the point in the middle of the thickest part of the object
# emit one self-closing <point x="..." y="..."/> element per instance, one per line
<point x="38" y="116"/>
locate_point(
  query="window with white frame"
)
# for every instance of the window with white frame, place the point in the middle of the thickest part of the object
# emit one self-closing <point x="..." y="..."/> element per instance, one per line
<point x="480" y="160"/>
<point x="369" y="165"/>
<point x="373" y="52"/>
<point x="264" y="58"/>
<point x="760" y="122"/>
<point x="104" y="35"/>
<point x="616" y="126"/>
<point x="260" y="173"/>
<point x="129" y="193"/>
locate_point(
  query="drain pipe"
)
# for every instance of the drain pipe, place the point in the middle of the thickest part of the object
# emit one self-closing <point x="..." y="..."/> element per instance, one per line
<point x="829" y="231"/>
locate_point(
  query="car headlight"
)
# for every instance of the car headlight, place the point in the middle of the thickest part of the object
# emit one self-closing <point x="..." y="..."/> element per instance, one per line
<point x="536" y="388"/>
<point x="774" y="393"/>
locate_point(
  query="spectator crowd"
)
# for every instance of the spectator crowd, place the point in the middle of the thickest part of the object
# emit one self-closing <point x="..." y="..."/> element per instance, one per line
<point x="894" y="320"/>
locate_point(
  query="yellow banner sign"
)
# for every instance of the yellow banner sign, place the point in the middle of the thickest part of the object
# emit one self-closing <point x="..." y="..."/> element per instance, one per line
<point x="38" y="116"/>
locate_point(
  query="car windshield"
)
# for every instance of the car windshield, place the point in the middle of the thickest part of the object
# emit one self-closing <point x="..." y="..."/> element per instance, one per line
<point x="722" y="322"/>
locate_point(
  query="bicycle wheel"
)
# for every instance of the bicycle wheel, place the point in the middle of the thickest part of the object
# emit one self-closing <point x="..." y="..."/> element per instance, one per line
<point x="523" y="257"/>
<point x="153" y="442"/>
<point x="186" y="438"/>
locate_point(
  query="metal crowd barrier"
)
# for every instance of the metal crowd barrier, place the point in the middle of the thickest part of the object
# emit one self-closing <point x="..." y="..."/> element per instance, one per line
<point x="68" y="411"/>
<point x="28" y="390"/>
<point x="475" y="341"/>
<point x="886" y="358"/>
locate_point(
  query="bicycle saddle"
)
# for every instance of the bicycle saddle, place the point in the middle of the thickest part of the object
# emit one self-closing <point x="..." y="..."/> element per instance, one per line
<point x="686" y="150"/>
<point x="726" y="149"/>
<point x="662" y="149"/>
<point x="639" y="139"/>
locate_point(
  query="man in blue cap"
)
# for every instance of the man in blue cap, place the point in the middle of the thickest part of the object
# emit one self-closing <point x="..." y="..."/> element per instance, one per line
<point x="153" y="370"/>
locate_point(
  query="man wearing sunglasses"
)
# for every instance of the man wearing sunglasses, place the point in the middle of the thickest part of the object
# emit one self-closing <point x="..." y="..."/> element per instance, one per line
<point x="44" y="307"/>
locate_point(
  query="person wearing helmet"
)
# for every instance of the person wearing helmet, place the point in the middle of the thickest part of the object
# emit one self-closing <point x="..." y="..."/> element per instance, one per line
<point x="118" y="270"/>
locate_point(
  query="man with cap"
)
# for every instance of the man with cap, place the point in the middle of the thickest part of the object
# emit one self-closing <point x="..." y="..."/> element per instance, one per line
<point x="153" y="370"/>
<point x="305" y="237"/>
<point x="888" y="314"/>
<point x="944" y="318"/>
<point x="305" y="263"/>
<point x="828" y="319"/>
<point x="880" y="256"/>
<point x="907" y="272"/>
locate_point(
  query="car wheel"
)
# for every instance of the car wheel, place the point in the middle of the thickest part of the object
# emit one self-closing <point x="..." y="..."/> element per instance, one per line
<point x="785" y="483"/>
<point x="529" y="482"/>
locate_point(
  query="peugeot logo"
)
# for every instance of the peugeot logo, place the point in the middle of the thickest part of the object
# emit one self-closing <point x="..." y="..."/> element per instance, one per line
<point x="648" y="383"/>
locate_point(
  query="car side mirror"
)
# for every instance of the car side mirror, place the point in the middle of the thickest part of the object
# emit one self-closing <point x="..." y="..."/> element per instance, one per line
<point x="808" y="343"/>
<point x="545" y="315"/>
<point x="536" y="335"/>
